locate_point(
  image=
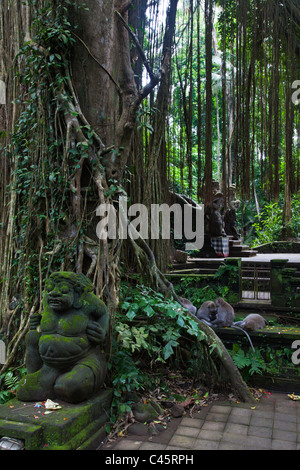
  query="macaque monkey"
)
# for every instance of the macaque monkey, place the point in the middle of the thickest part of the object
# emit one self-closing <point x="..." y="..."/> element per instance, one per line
<point x="225" y="317"/>
<point x="252" y="322"/>
<point x="188" y="305"/>
<point x="207" y="311"/>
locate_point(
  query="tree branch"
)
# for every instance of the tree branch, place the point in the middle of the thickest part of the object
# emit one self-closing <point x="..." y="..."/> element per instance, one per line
<point x="125" y="7"/>
<point x="155" y="79"/>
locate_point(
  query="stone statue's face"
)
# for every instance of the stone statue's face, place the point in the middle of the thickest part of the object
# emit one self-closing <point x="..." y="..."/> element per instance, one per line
<point x="59" y="295"/>
<point x="218" y="203"/>
<point x="235" y="205"/>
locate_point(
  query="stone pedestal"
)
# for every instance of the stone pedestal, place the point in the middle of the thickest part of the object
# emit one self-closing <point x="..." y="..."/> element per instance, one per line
<point x="73" y="427"/>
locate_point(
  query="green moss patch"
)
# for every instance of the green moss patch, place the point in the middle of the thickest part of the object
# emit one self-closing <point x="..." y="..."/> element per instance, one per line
<point x="68" y="428"/>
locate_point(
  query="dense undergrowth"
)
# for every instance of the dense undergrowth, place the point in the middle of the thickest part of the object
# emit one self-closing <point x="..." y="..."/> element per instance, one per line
<point x="158" y="352"/>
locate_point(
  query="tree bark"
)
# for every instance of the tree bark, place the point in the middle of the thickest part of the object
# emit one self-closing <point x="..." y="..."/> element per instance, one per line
<point x="208" y="88"/>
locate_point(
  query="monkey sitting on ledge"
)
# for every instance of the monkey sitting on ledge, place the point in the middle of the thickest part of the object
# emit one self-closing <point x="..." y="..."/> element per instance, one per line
<point x="207" y="311"/>
<point x="252" y="322"/>
<point x="188" y="305"/>
<point x="224" y="317"/>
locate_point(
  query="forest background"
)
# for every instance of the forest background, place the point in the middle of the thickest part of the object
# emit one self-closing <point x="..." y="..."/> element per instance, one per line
<point x="148" y="99"/>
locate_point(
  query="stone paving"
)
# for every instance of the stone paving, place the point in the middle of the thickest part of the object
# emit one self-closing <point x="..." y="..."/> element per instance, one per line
<point x="274" y="424"/>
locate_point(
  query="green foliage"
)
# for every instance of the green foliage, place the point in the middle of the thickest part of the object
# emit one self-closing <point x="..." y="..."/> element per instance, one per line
<point x="188" y="288"/>
<point x="148" y="329"/>
<point x="127" y="377"/>
<point x="164" y="322"/>
<point x="42" y="161"/>
<point x="8" y="383"/>
<point x="145" y="112"/>
<point x="227" y="270"/>
<point x="248" y="363"/>
<point x="269" y="225"/>
<point x="270" y="361"/>
<point x="277" y="360"/>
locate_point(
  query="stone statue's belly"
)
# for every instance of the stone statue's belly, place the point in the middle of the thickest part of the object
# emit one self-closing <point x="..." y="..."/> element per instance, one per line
<point x="56" y="349"/>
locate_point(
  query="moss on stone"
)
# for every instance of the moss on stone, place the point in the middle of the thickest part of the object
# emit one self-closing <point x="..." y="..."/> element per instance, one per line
<point x="65" y="429"/>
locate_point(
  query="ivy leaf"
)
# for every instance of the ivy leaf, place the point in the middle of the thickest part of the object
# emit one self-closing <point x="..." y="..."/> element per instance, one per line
<point x="149" y="311"/>
<point x="168" y="349"/>
<point x="180" y="321"/>
<point x="130" y="314"/>
<point x="126" y="305"/>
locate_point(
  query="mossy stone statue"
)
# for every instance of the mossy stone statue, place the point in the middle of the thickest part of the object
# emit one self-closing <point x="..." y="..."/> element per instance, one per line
<point x="63" y="347"/>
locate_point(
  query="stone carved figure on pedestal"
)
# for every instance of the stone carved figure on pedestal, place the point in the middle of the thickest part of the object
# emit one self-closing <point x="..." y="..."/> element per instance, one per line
<point x="215" y="187"/>
<point x="215" y="240"/>
<point x="231" y="226"/>
<point x="63" y="353"/>
<point x="230" y="220"/>
<point x="216" y="225"/>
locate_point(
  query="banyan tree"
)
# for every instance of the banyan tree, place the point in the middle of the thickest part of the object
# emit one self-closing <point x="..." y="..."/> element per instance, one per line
<point x="138" y="99"/>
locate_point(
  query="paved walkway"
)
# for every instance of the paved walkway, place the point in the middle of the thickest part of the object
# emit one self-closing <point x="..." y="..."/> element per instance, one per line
<point x="274" y="424"/>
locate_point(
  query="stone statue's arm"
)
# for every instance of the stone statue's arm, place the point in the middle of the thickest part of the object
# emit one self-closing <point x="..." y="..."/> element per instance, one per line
<point x="34" y="321"/>
<point x="32" y="356"/>
<point x="97" y="328"/>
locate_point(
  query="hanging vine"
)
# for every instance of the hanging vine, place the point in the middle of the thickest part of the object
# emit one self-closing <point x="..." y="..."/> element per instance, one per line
<point x="52" y="149"/>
